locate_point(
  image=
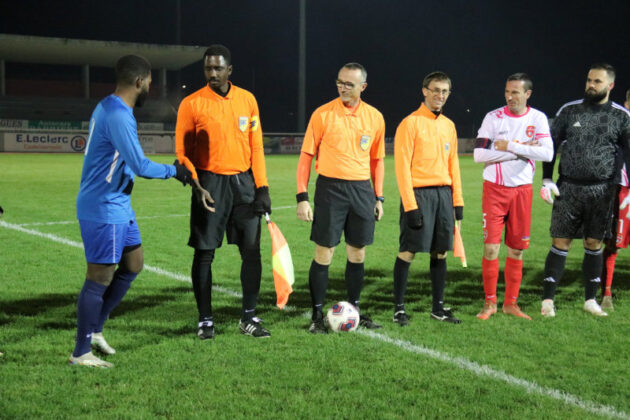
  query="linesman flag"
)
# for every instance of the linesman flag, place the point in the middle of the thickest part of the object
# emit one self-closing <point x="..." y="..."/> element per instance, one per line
<point x="458" y="244"/>
<point x="282" y="264"/>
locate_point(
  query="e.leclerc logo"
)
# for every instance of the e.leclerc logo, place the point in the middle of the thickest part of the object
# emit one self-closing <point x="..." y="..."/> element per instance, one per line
<point x="77" y="143"/>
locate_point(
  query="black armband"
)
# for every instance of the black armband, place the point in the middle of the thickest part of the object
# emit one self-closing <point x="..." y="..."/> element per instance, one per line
<point x="380" y="198"/>
<point x="303" y="196"/>
<point x="483" y="143"/>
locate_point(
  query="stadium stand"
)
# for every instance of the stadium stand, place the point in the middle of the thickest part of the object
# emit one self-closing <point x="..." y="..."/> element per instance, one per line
<point x="74" y="100"/>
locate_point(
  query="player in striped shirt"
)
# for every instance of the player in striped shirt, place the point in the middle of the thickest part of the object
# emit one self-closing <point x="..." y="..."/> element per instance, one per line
<point x="620" y="236"/>
<point x="509" y="142"/>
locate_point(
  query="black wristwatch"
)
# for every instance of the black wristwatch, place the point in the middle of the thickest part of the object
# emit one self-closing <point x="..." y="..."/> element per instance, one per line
<point x="381" y="199"/>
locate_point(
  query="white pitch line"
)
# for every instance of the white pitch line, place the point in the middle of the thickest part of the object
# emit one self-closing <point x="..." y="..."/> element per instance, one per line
<point x="69" y="222"/>
<point x="460" y="362"/>
<point x="79" y="245"/>
<point x="484" y="370"/>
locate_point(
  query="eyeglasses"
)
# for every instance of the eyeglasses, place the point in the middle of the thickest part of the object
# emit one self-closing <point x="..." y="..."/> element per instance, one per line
<point x="347" y="85"/>
<point x="437" y="91"/>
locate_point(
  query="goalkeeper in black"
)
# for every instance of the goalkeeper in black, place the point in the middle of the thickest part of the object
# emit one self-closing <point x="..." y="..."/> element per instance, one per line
<point x="593" y="137"/>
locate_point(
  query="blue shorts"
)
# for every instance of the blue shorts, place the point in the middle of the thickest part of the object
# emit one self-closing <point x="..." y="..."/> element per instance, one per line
<point x="104" y="243"/>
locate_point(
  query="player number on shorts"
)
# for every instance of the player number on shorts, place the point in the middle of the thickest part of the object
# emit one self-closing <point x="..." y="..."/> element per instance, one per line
<point x="483" y="222"/>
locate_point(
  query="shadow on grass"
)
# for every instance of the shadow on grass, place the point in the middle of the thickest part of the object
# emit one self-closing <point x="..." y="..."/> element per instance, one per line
<point x="35" y="306"/>
<point x="464" y="288"/>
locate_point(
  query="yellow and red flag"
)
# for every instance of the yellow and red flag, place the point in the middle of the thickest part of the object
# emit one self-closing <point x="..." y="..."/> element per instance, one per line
<point x="458" y="244"/>
<point x="283" y="277"/>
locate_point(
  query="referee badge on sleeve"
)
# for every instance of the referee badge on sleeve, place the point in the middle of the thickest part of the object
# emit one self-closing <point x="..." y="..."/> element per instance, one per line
<point x="255" y="123"/>
<point x="243" y="123"/>
<point x="365" y="142"/>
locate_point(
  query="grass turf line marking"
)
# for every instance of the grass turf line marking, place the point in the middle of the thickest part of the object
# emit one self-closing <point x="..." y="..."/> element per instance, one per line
<point x="460" y="362"/>
<point x="75" y="244"/>
<point x="484" y="370"/>
<point x="69" y="222"/>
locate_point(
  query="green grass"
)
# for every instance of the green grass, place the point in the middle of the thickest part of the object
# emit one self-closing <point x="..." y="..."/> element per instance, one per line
<point x="162" y="370"/>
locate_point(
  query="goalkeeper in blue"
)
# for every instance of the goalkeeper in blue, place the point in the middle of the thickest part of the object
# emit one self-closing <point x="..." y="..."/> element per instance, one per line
<point x="111" y="238"/>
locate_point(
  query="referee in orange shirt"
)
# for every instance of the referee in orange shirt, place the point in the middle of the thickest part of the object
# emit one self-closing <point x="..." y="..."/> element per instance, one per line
<point x="346" y="136"/>
<point x="427" y="172"/>
<point x="218" y="137"/>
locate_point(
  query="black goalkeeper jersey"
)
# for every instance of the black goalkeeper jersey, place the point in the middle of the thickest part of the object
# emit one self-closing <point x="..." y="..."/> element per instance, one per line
<point x="593" y="140"/>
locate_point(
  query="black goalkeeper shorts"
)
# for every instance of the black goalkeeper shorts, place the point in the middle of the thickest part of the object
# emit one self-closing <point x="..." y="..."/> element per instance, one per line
<point x="582" y="211"/>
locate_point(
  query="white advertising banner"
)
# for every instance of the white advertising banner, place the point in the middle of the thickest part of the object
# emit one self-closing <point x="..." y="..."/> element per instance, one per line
<point x="64" y="142"/>
<point x="44" y="142"/>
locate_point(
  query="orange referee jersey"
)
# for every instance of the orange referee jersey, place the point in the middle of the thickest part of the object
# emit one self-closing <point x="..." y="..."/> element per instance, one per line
<point x="425" y="155"/>
<point x="221" y="134"/>
<point x="345" y="141"/>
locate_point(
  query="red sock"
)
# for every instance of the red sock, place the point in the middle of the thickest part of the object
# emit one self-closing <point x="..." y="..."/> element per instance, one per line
<point x="513" y="276"/>
<point x="609" y="269"/>
<point x="490" y="275"/>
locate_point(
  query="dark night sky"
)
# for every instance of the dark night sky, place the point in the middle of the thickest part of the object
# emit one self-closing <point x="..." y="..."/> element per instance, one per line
<point x="478" y="43"/>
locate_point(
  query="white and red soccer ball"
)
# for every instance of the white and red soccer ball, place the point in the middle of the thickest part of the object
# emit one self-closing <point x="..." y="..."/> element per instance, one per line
<point x="343" y="316"/>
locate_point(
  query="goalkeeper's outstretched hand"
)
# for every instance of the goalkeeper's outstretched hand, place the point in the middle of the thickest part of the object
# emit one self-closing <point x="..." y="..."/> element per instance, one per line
<point x="548" y="190"/>
<point x="182" y="174"/>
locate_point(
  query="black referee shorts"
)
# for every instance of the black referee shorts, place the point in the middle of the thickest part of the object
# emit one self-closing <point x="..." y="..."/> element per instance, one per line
<point x="436" y="233"/>
<point x="234" y="217"/>
<point x="583" y="211"/>
<point x="343" y="206"/>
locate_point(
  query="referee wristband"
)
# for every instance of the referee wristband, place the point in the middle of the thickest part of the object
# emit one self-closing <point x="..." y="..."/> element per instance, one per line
<point x="303" y="196"/>
<point x="381" y="199"/>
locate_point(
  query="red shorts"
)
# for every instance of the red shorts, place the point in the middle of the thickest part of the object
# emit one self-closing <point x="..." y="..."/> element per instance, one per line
<point x="510" y="207"/>
<point x="623" y="224"/>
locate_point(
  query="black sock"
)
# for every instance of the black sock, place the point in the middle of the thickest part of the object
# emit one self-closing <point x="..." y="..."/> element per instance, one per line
<point x="202" y="282"/>
<point x="251" y="269"/>
<point x="592" y="270"/>
<point x="401" y="272"/>
<point x="318" y="283"/>
<point x="437" y="268"/>
<point x="554" y="268"/>
<point x="355" y="273"/>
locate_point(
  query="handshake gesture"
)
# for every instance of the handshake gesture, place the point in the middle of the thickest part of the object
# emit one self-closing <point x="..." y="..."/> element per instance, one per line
<point x="185" y="176"/>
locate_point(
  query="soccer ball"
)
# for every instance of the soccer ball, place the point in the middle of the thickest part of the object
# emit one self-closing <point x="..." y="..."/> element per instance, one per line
<point x="343" y="316"/>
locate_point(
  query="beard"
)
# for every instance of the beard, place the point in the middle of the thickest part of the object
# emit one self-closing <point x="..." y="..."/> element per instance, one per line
<point x="142" y="96"/>
<point x="594" y="97"/>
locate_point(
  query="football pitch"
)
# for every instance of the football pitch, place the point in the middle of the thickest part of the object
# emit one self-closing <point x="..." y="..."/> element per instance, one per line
<point x="571" y="366"/>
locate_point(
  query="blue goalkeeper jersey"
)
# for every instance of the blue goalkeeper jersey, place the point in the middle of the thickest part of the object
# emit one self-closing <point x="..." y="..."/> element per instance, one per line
<point x="112" y="156"/>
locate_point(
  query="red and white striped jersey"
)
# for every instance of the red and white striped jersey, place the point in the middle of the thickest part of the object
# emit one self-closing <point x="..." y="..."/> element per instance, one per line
<point x="529" y="140"/>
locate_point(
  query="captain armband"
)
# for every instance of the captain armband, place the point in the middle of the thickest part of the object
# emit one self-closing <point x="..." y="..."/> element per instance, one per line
<point x="483" y="143"/>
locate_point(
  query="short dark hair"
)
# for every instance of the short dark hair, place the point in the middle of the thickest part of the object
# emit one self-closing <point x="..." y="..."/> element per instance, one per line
<point x="131" y="67"/>
<point x="218" y="49"/>
<point x="356" y="66"/>
<point x="527" y="82"/>
<point x="437" y="76"/>
<point x="610" y="70"/>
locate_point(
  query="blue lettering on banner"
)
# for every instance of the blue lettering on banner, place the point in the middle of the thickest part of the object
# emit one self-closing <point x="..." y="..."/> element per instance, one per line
<point x="46" y="138"/>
